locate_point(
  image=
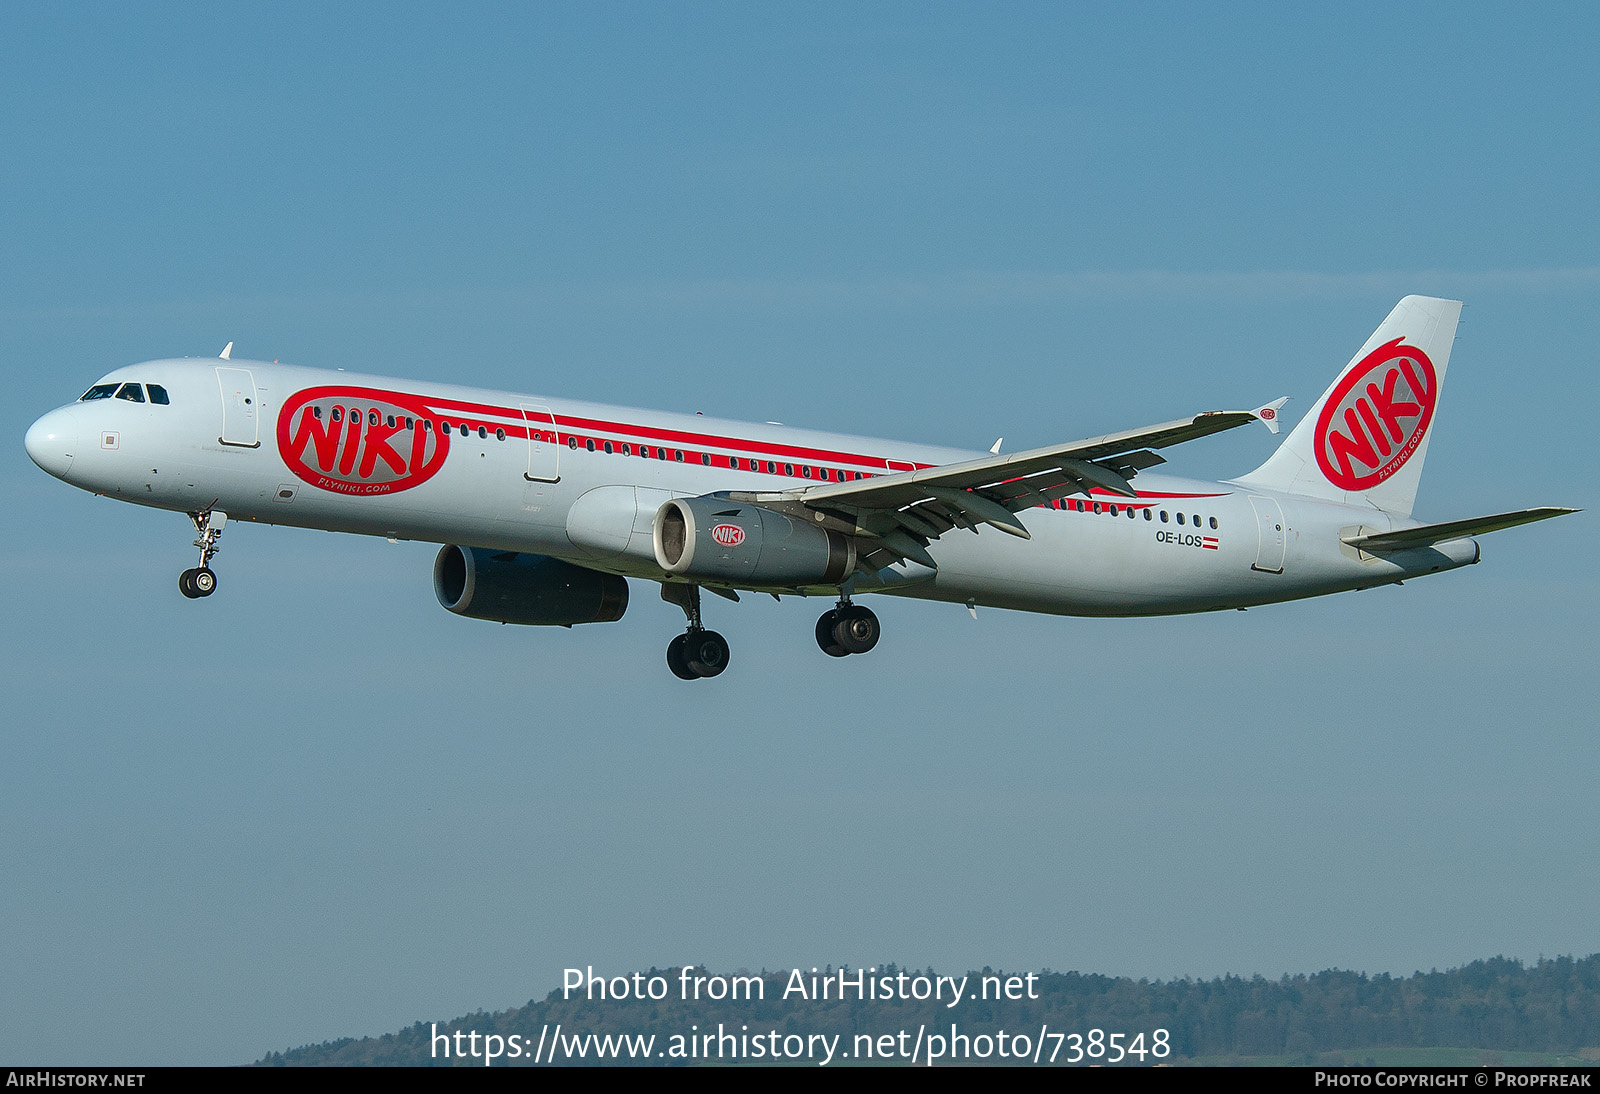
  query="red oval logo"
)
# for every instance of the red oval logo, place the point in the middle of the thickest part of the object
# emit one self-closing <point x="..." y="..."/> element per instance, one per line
<point x="729" y="535"/>
<point x="359" y="440"/>
<point x="1267" y="414"/>
<point x="1376" y="417"/>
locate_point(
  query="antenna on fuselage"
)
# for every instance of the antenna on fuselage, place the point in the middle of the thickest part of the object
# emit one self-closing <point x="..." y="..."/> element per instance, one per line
<point x="227" y="352"/>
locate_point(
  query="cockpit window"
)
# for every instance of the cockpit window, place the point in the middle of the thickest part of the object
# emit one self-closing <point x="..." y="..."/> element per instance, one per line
<point x="131" y="392"/>
<point x="158" y="394"/>
<point x="99" y="391"/>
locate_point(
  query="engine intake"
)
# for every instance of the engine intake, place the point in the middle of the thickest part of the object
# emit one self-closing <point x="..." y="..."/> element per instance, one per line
<point x="718" y="540"/>
<point x="507" y="587"/>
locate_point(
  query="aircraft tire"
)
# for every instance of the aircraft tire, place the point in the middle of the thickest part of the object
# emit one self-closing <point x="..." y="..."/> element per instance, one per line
<point x="677" y="661"/>
<point x="203" y="581"/>
<point x="857" y="629"/>
<point x="186" y="584"/>
<point x="825" y="640"/>
<point x="707" y="653"/>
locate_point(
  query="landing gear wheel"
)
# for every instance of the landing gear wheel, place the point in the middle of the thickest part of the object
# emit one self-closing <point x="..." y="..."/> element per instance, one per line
<point x="707" y="652"/>
<point x="186" y="584"/>
<point x="203" y="581"/>
<point x="825" y="640"/>
<point x="677" y="662"/>
<point x="856" y="630"/>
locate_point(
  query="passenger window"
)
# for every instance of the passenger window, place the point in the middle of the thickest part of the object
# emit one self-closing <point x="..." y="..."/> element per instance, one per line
<point x="372" y="417"/>
<point x="99" y="391"/>
<point x="589" y="444"/>
<point x="158" y="394"/>
<point x="1196" y="519"/>
<point x="626" y="450"/>
<point x="805" y="471"/>
<point x="677" y="454"/>
<point x="338" y="414"/>
<point x="1130" y="512"/>
<point x="499" y="434"/>
<point x="788" y="469"/>
<point x="609" y="451"/>
<point x="572" y="442"/>
<point x="1163" y="516"/>
<point x="1180" y="518"/>
<point x="131" y="392"/>
<point x="1213" y="523"/>
<point x="705" y="458"/>
<point x="463" y="429"/>
<point x="1147" y="515"/>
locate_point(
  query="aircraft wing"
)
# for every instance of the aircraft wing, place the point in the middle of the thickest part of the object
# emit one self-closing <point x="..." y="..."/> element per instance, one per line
<point x="908" y="509"/>
<point x="1429" y="534"/>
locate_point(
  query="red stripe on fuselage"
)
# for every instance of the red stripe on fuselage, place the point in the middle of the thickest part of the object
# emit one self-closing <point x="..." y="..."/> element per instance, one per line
<point x="745" y="448"/>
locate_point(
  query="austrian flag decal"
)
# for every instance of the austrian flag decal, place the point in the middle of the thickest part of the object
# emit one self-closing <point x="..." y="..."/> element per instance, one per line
<point x="1376" y="417"/>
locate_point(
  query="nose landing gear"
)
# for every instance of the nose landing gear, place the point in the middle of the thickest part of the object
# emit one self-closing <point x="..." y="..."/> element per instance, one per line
<point x="697" y="652"/>
<point x="201" y="581"/>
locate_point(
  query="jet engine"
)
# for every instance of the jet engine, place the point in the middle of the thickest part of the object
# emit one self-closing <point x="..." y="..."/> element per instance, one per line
<point x="507" y="587"/>
<point x="713" y="539"/>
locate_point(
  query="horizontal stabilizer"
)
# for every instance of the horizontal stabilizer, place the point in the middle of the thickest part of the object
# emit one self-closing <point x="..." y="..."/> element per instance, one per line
<point x="1429" y="534"/>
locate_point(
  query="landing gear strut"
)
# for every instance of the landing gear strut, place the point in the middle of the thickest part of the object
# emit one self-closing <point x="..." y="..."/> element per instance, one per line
<point x="201" y="581"/>
<point x="696" y="652"/>
<point x="846" y="629"/>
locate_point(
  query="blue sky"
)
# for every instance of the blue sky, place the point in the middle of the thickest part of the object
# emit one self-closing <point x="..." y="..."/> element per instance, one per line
<point x="317" y="805"/>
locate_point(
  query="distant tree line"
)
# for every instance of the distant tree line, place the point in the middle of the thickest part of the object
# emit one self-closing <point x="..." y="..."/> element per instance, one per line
<point x="1498" y="1005"/>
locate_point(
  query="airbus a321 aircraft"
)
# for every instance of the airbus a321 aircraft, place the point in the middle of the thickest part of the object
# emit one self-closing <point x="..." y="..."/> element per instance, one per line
<point x="546" y="507"/>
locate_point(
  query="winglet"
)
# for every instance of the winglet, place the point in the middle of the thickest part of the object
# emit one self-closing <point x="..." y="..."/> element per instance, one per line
<point x="227" y="352"/>
<point x="1268" y="415"/>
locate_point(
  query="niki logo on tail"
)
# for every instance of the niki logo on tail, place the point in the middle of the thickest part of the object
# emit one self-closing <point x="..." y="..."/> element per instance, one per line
<point x="1383" y="421"/>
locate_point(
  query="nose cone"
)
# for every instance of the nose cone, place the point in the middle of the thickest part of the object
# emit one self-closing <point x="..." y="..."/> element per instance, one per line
<point x="52" y="441"/>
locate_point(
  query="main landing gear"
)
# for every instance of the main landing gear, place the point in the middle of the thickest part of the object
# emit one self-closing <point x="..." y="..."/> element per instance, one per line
<point x="848" y="628"/>
<point x="201" y="581"/>
<point x="696" y="652"/>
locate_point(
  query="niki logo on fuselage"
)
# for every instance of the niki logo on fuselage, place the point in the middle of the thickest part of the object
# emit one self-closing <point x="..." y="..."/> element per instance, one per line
<point x="1384" y="406"/>
<point x="356" y="440"/>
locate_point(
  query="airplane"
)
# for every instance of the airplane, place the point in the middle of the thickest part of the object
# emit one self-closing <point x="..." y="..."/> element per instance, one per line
<point x="547" y="507"/>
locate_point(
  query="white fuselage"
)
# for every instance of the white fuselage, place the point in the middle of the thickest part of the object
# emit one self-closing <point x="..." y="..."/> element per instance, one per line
<point x="532" y="474"/>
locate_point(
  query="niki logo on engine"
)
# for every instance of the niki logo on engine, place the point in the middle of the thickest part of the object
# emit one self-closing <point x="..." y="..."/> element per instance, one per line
<point x="1376" y="417"/>
<point x="729" y="535"/>
<point x="357" y="440"/>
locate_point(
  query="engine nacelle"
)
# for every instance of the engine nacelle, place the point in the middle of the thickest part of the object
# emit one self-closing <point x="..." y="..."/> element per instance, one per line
<point x="507" y="587"/>
<point x="718" y="540"/>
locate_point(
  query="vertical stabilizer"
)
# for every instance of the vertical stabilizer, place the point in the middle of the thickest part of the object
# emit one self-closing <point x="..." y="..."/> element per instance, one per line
<point x="1365" y="439"/>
